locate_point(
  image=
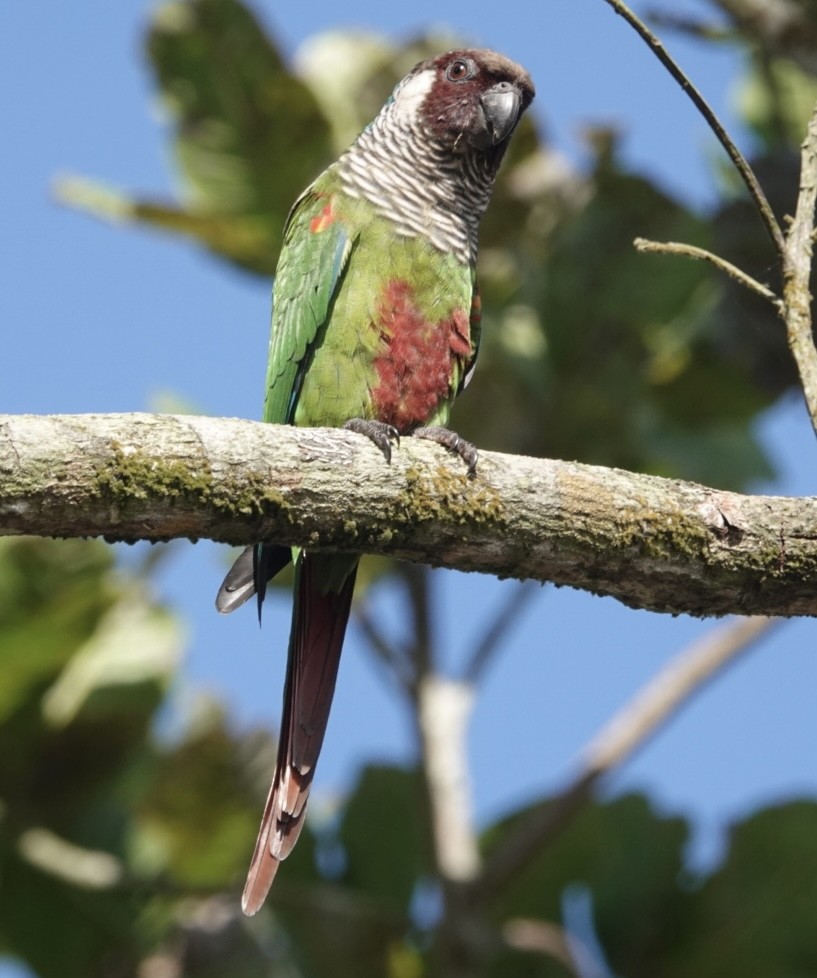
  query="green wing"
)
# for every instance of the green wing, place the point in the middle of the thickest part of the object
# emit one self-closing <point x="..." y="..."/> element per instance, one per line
<point x="476" y="334"/>
<point x="314" y="255"/>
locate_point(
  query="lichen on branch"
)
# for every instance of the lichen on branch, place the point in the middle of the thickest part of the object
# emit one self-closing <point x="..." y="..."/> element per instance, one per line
<point x="652" y="543"/>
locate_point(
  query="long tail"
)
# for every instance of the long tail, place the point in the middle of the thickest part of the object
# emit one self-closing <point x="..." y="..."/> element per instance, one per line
<point x="318" y="626"/>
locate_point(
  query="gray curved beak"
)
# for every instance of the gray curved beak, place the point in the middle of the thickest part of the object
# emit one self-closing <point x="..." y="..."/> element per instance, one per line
<point x="501" y="107"/>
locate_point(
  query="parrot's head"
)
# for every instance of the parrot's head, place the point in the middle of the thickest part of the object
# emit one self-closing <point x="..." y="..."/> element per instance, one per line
<point x="469" y="99"/>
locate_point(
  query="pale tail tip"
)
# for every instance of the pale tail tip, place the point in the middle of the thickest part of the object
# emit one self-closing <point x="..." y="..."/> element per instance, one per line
<point x="258" y="884"/>
<point x="249" y="908"/>
<point x="252" y="899"/>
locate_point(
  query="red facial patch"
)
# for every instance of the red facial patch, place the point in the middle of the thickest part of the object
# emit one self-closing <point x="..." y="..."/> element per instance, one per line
<point x="322" y="221"/>
<point x="416" y="367"/>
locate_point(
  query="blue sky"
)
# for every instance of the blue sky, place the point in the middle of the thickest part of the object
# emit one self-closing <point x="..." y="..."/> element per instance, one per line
<point x="101" y="319"/>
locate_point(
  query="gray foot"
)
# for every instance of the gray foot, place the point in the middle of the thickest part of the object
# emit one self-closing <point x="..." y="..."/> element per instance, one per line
<point x="379" y="432"/>
<point x="451" y="440"/>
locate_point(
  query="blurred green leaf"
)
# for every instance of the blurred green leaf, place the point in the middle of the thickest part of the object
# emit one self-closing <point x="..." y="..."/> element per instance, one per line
<point x="248" y="135"/>
<point x="717" y="455"/>
<point x="109" y="844"/>
<point x="135" y="647"/>
<point x="198" y="816"/>
<point x="54" y="595"/>
<point x="628" y="857"/>
<point x="50" y="602"/>
<point x="60" y="930"/>
<point x="244" y="239"/>
<point x="777" y="100"/>
<point x="755" y="915"/>
<point x="336" y="933"/>
<point x="382" y="835"/>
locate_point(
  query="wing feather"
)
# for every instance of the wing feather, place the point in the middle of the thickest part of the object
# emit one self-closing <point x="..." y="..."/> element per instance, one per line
<point x="315" y="254"/>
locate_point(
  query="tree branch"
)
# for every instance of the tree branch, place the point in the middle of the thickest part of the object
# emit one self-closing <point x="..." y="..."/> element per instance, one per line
<point x="653" y="543"/>
<point x="644" y="245"/>
<point x="747" y="174"/>
<point x="794" y="248"/>
<point x="797" y="273"/>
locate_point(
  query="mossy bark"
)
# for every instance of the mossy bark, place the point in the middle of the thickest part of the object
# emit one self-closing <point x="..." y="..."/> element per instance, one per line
<point x="653" y="543"/>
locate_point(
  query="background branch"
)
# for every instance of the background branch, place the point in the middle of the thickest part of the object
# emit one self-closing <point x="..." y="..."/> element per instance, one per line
<point x="629" y="729"/>
<point x="385" y="653"/>
<point x="495" y="633"/>
<point x="441" y="710"/>
<point x="653" y="543"/>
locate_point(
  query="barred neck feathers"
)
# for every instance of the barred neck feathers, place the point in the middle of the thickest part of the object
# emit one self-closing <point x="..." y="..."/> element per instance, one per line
<point x="416" y="183"/>
<point x="428" y="161"/>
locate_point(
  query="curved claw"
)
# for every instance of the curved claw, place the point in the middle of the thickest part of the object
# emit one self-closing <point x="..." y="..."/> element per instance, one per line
<point x="453" y="442"/>
<point x="379" y="432"/>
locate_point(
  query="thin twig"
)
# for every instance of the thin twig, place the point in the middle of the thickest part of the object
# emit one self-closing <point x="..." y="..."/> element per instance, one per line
<point x="737" y="158"/>
<point x="692" y="251"/>
<point x="492" y="637"/>
<point x="384" y="651"/>
<point x="797" y="273"/>
<point x="628" y="730"/>
<point x="416" y="580"/>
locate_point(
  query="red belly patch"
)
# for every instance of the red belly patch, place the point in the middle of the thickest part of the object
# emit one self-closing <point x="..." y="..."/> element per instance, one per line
<point x="416" y="368"/>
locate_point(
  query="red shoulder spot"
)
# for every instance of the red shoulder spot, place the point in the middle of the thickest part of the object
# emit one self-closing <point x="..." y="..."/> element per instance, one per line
<point x="416" y="367"/>
<point x="322" y="221"/>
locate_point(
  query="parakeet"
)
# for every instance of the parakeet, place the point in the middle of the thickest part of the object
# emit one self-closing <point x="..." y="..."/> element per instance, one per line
<point x="375" y="327"/>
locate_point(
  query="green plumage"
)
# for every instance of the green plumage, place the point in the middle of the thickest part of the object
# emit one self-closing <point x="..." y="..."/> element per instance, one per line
<point x="331" y="320"/>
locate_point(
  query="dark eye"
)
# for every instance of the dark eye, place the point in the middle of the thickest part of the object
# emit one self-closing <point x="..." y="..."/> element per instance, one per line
<point x="459" y="70"/>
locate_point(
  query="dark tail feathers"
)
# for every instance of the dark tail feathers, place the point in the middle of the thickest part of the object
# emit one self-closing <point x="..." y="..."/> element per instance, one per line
<point x="254" y="567"/>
